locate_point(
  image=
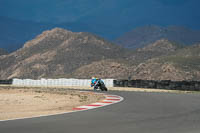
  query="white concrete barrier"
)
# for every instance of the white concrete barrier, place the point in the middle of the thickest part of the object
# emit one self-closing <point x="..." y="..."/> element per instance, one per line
<point x="59" y="82"/>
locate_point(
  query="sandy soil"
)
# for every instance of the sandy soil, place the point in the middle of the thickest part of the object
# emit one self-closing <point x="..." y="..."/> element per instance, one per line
<point x="118" y="89"/>
<point x="18" y="103"/>
<point x="132" y="89"/>
<point x="138" y="89"/>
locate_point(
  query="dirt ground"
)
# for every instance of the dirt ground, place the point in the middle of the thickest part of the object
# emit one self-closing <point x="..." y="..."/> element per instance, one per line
<point x="133" y="89"/>
<point x="30" y="102"/>
<point x="19" y="102"/>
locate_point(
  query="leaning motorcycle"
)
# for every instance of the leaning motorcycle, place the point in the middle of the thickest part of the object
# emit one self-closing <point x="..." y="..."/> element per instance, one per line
<point x="100" y="85"/>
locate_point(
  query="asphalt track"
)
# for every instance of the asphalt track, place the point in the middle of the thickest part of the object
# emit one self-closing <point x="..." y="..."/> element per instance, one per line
<point x="140" y="112"/>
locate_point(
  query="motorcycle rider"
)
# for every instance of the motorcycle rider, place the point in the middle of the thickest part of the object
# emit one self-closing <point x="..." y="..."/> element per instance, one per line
<point x="98" y="83"/>
<point x="94" y="82"/>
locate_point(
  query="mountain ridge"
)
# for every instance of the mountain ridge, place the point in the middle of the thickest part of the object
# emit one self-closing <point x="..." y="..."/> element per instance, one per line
<point x="60" y="53"/>
<point x="142" y="36"/>
<point x="56" y="52"/>
<point x="16" y="32"/>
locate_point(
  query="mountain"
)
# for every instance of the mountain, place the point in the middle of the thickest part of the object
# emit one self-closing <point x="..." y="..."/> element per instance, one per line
<point x="60" y="53"/>
<point x="3" y="52"/>
<point x="187" y="58"/>
<point x="161" y="60"/>
<point x="156" y="49"/>
<point x="104" y="69"/>
<point x="14" y="33"/>
<point x="57" y="52"/>
<point x="183" y="64"/>
<point x="142" y="36"/>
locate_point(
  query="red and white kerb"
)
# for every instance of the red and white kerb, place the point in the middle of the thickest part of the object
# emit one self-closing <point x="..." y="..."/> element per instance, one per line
<point x="110" y="99"/>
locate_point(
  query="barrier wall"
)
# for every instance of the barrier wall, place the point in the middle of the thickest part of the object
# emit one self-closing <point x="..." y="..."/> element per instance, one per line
<point x="164" y="84"/>
<point x="9" y="81"/>
<point x="58" y="82"/>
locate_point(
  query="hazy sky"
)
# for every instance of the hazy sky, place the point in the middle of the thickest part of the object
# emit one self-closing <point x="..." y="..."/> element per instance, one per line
<point x="127" y="13"/>
<point x="107" y="18"/>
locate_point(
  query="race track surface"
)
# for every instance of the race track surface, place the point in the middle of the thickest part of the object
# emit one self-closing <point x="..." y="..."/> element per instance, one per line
<point x="140" y="112"/>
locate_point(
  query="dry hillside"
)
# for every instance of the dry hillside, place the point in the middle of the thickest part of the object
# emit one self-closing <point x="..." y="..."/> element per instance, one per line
<point x="59" y="53"/>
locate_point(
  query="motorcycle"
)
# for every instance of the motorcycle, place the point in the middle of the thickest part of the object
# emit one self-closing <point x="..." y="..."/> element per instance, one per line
<point x="100" y="85"/>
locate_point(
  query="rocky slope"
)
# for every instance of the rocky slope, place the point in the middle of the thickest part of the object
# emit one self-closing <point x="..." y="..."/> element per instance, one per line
<point x="103" y="69"/>
<point x="161" y="60"/>
<point x="183" y="64"/>
<point x="157" y="49"/>
<point x="162" y="71"/>
<point x="57" y="52"/>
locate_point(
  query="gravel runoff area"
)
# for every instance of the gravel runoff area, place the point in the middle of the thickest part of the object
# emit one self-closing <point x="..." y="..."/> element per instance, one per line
<point x="133" y="89"/>
<point x="22" y="102"/>
<point x="19" y="102"/>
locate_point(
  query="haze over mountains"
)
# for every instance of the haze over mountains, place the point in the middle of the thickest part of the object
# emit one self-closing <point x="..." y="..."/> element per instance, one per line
<point x="148" y="47"/>
<point x="16" y="32"/>
<point x="106" y="18"/>
<point x="145" y="35"/>
<point x="59" y="53"/>
<point x="105" y="12"/>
